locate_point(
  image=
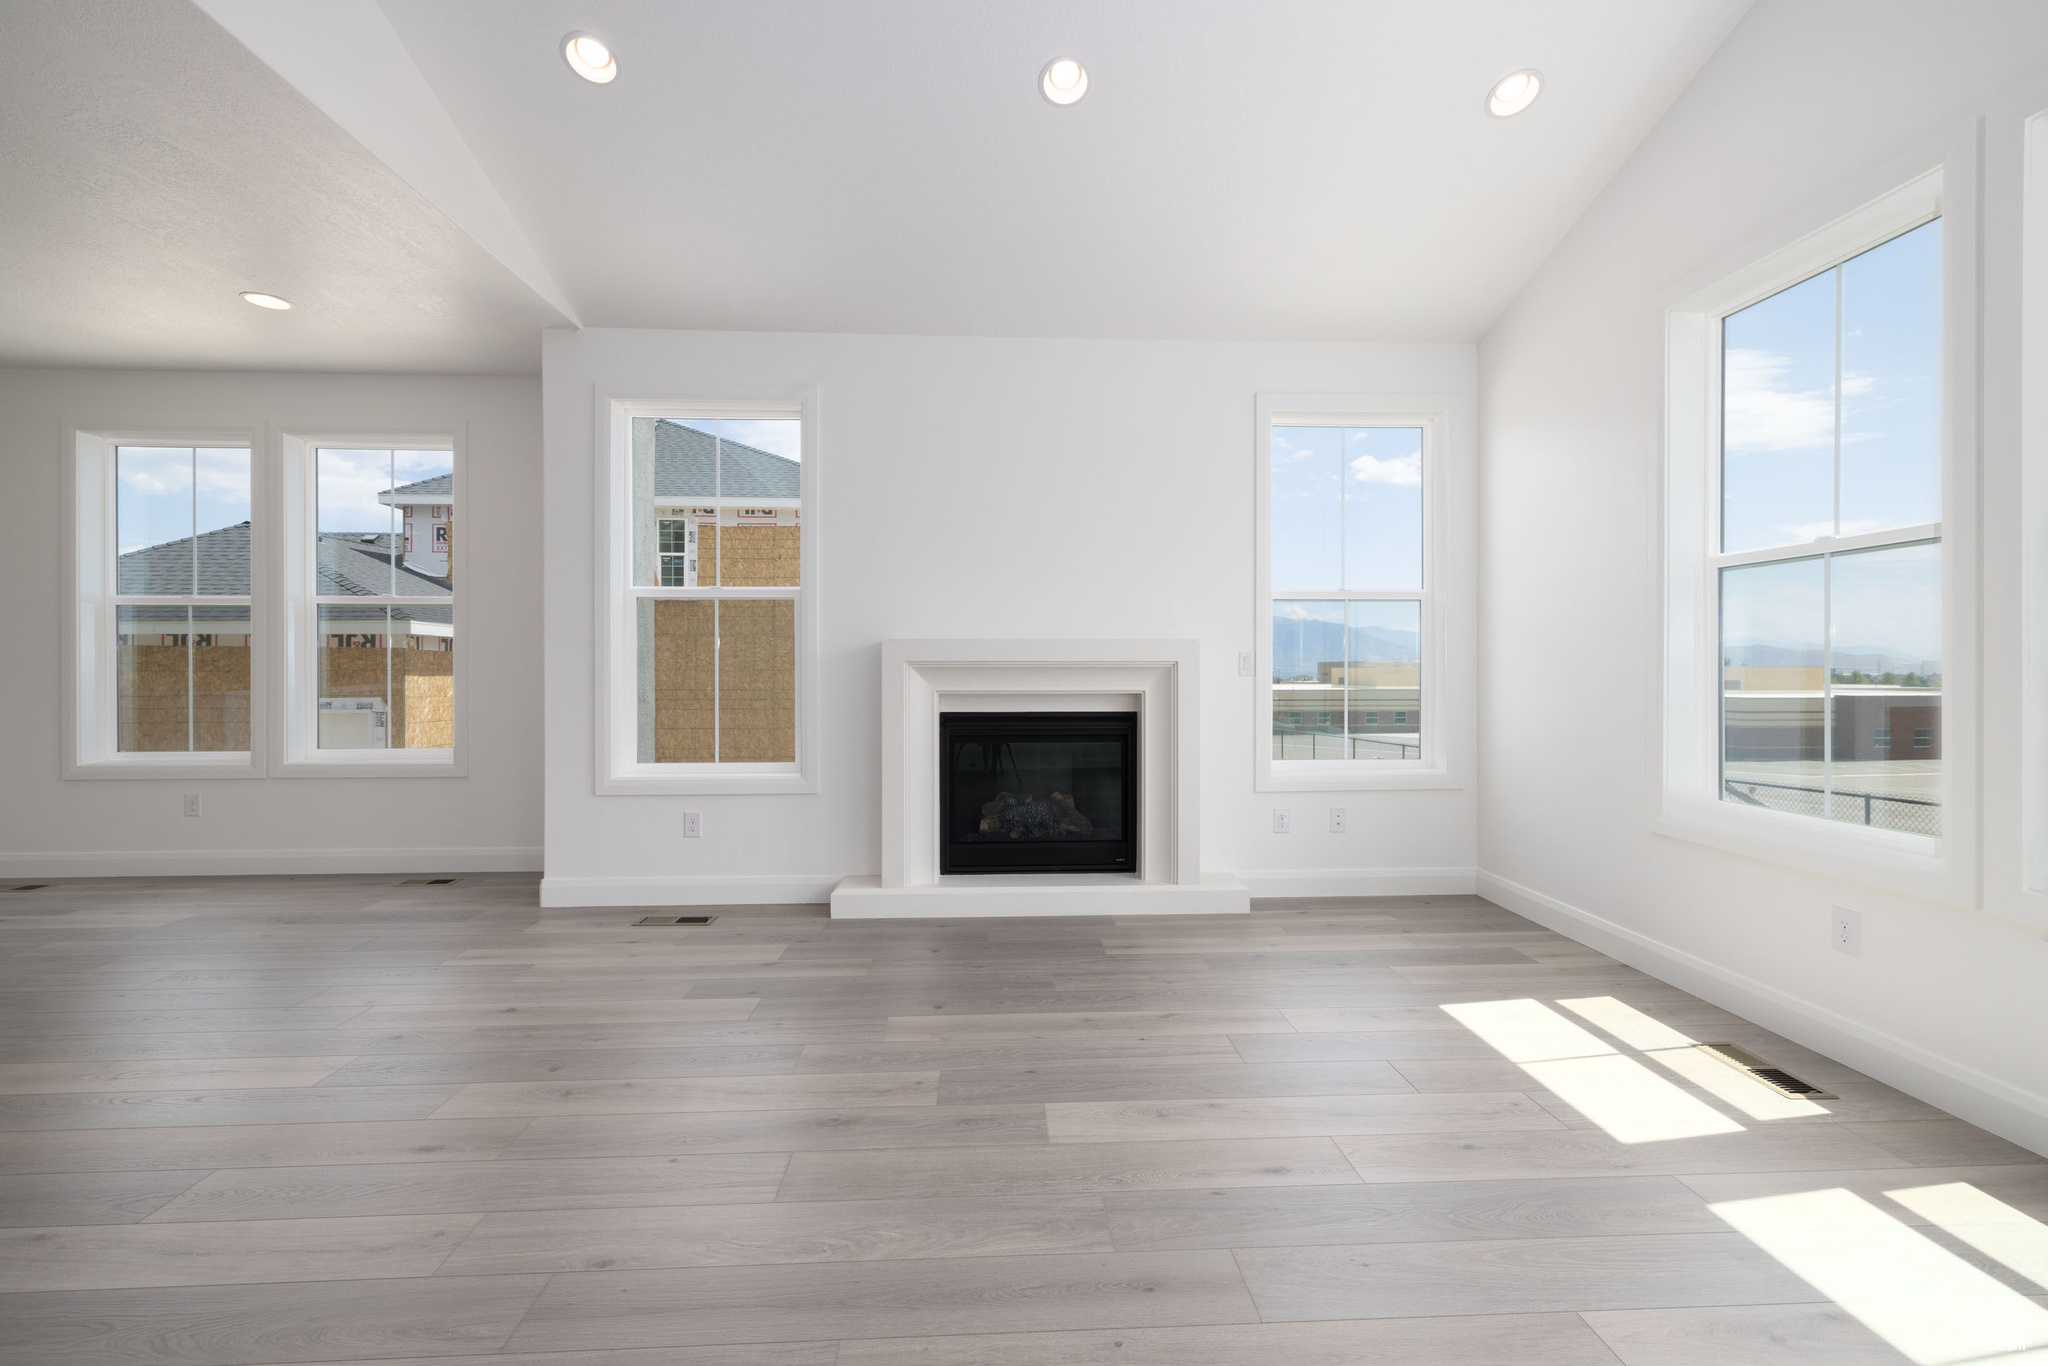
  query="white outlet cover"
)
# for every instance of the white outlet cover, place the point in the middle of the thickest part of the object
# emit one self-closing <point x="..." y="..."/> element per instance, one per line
<point x="1336" y="820"/>
<point x="1280" y="820"/>
<point x="194" y="804"/>
<point x="1845" y="931"/>
<point x="693" y="825"/>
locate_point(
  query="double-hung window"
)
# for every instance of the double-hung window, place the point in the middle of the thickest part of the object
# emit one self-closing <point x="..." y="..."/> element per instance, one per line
<point x="707" y="599"/>
<point x="162" y="632"/>
<point x="1811" y="614"/>
<point x="1351" y="686"/>
<point x="374" y="549"/>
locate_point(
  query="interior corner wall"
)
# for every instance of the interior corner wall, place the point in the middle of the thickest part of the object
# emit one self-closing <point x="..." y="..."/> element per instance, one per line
<point x="488" y="821"/>
<point x="991" y="488"/>
<point x="1808" y="110"/>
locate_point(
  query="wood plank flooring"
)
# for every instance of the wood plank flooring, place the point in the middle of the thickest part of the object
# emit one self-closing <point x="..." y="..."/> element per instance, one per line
<point x="266" y="1121"/>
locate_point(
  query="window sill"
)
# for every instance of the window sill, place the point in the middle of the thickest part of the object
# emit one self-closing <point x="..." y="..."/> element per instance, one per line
<point x="649" y="781"/>
<point x="378" y="763"/>
<point x="1911" y="864"/>
<point x="173" y="765"/>
<point x="1339" y="776"/>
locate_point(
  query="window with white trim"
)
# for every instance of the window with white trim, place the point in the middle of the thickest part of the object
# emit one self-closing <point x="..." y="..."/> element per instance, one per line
<point x="1351" y="686"/>
<point x="708" y="601"/>
<point x="1829" y="558"/>
<point x="163" y="632"/>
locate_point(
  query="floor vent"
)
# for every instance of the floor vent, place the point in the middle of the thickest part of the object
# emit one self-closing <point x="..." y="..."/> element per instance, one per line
<point x="1777" y="1078"/>
<point x="428" y="881"/>
<point x="29" y="887"/>
<point x="675" y="920"/>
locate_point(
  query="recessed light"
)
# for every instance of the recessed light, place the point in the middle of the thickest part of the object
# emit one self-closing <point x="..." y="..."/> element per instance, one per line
<point x="1065" y="80"/>
<point x="1512" y="94"/>
<point x="589" y="58"/>
<point x="265" y="300"/>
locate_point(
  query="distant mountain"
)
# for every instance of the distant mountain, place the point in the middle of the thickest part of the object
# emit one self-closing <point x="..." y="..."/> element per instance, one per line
<point x="1874" y="659"/>
<point x="1299" y="646"/>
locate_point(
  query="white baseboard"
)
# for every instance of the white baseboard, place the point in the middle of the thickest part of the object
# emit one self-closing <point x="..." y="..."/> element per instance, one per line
<point x="1361" y="881"/>
<point x="271" y="862"/>
<point x="733" y="890"/>
<point x="2009" y="1111"/>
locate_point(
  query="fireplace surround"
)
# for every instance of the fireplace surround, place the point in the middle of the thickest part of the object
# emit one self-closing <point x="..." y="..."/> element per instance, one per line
<point x="1156" y="681"/>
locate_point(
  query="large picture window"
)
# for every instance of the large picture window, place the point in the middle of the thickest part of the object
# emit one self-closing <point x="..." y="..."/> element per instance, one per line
<point x="708" y="613"/>
<point x="1350" y="687"/>
<point x="1829" y="562"/>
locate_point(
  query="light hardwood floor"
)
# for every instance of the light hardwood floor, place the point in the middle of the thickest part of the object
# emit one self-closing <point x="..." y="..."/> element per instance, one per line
<point x="249" y="1122"/>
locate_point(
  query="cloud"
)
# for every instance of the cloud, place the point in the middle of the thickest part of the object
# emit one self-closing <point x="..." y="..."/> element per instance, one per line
<point x="1400" y="469"/>
<point x="1760" y="413"/>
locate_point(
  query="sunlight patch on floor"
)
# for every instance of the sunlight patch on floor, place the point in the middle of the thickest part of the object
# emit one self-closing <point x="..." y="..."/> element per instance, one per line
<point x="1918" y="1296"/>
<point x="1625" y="1098"/>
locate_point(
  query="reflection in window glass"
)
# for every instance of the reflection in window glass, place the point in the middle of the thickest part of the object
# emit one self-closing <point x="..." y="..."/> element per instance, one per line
<point x="386" y="583"/>
<point x="181" y="619"/>
<point x="717" y="507"/>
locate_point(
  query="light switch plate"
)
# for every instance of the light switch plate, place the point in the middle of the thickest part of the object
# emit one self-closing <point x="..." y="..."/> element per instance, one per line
<point x="1244" y="663"/>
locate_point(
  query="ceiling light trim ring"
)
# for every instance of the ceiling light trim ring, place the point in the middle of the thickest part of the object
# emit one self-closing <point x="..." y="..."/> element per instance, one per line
<point x="1063" y="81"/>
<point x="1513" y="93"/>
<point x="590" y="57"/>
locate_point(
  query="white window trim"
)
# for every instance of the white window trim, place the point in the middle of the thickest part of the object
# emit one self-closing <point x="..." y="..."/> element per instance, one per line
<point x="296" y="620"/>
<point x="1689" y="780"/>
<point x="1436" y="769"/>
<point x="88" y="726"/>
<point x="618" y="769"/>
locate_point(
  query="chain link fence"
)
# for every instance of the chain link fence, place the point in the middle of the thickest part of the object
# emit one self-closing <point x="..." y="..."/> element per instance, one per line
<point x="1909" y="815"/>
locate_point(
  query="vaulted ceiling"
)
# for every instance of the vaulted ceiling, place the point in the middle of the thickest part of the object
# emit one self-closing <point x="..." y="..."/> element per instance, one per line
<point x="430" y="185"/>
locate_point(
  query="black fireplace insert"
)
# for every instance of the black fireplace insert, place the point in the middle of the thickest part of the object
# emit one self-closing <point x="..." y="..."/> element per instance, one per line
<point x="1038" y="792"/>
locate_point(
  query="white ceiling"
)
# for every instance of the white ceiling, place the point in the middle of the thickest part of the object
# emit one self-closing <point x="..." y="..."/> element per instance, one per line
<point x="1283" y="169"/>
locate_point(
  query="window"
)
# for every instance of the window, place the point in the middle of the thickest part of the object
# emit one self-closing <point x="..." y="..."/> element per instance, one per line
<point x="162" y="642"/>
<point x="1348" y="589"/>
<point x="708" y="603"/>
<point x="373" y="567"/>
<point x="1830" y="547"/>
<point x="1814" y="617"/>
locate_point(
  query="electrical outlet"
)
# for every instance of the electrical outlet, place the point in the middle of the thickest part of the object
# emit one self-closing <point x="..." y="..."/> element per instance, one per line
<point x="693" y="824"/>
<point x="1847" y="934"/>
<point x="193" y="805"/>
<point x="1244" y="663"/>
<point x="1336" y="820"/>
<point x="1280" y="820"/>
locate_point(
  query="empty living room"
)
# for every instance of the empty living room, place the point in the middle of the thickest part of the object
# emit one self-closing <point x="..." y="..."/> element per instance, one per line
<point x="1023" y="683"/>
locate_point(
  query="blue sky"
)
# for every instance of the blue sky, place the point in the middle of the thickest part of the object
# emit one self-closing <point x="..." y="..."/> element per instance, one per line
<point x="1347" y="507"/>
<point x="1781" y="358"/>
<point x="350" y="480"/>
<point x="155" y="488"/>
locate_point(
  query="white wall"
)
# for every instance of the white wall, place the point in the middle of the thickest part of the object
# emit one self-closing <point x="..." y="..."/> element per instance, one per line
<point x="489" y="820"/>
<point x="1810" y="109"/>
<point x="975" y="487"/>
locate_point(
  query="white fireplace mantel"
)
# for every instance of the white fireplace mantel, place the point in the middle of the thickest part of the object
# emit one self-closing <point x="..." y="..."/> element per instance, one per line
<point x="1158" y="679"/>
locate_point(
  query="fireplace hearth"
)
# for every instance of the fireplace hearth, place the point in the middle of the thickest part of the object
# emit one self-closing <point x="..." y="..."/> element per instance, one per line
<point x="1038" y="792"/>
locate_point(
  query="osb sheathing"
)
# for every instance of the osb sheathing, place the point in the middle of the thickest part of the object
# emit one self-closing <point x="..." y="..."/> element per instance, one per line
<point x="422" y="689"/>
<point x="151" y="706"/>
<point x="755" y="665"/>
<point x="752" y="556"/>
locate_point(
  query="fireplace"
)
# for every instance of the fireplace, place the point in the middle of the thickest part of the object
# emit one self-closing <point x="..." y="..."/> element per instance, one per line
<point x="1038" y="792"/>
